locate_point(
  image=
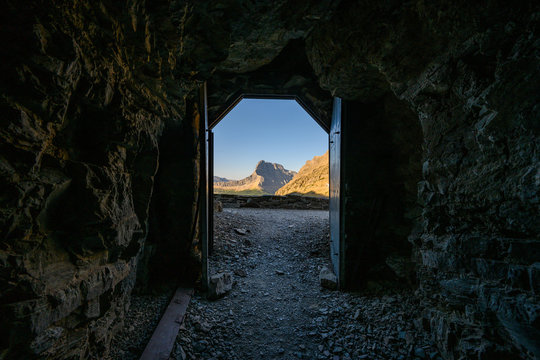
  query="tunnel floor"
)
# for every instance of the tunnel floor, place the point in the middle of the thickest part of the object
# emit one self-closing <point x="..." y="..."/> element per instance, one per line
<point x="278" y="310"/>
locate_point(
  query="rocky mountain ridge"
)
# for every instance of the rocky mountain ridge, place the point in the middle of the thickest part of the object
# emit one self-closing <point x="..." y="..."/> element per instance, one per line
<point x="311" y="180"/>
<point x="220" y="179"/>
<point x="267" y="178"/>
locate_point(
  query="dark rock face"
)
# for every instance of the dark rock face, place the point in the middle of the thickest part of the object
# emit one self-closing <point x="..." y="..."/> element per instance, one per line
<point x="480" y="185"/>
<point x="82" y="113"/>
<point x="94" y="96"/>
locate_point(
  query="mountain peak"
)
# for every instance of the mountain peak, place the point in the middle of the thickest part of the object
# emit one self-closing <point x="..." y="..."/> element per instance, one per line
<point x="264" y="168"/>
<point x="267" y="178"/>
<point x="311" y="180"/>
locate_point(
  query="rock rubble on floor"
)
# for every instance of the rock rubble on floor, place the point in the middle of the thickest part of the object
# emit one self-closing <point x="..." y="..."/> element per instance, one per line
<point x="278" y="310"/>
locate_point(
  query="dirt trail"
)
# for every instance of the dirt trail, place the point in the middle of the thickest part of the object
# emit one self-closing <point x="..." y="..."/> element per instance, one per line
<point x="272" y="305"/>
<point x="277" y="309"/>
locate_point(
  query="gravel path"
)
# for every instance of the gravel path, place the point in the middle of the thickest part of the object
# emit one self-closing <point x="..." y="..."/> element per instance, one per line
<point x="143" y="315"/>
<point x="277" y="309"/>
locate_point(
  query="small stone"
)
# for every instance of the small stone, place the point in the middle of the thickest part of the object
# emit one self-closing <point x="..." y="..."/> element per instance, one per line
<point x="180" y="354"/>
<point x="240" y="272"/>
<point x="328" y="279"/>
<point x="203" y="327"/>
<point x="279" y="272"/>
<point x="420" y="353"/>
<point x="219" y="285"/>
<point x="200" y="346"/>
<point x="240" y="231"/>
<point x="218" y="206"/>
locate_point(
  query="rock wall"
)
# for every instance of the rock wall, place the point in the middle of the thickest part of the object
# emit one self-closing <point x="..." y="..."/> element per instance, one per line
<point x="85" y="92"/>
<point x="470" y="73"/>
<point x="479" y="247"/>
<point x="94" y="94"/>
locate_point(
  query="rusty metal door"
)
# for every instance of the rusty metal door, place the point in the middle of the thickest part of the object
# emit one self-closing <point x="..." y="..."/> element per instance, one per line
<point x="335" y="191"/>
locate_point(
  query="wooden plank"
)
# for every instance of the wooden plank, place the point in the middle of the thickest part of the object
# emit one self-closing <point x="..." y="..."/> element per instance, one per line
<point x="162" y="341"/>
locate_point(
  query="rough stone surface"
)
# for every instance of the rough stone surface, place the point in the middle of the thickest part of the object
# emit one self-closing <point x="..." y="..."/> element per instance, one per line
<point x="101" y="136"/>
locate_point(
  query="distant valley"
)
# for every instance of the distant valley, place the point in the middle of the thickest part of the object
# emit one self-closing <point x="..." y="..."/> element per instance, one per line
<point x="271" y="178"/>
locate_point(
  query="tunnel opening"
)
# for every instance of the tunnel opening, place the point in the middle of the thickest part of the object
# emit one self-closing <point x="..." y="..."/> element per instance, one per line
<point x="378" y="144"/>
<point x="270" y="166"/>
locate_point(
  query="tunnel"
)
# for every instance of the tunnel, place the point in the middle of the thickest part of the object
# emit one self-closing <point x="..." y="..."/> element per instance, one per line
<point x="433" y="115"/>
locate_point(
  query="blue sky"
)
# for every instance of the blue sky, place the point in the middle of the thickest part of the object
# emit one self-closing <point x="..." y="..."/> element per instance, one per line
<point x="278" y="131"/>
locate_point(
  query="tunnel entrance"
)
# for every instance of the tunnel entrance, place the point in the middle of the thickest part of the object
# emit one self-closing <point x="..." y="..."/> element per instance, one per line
<point x="308" y="190"/>
<point x="208" y="235"/>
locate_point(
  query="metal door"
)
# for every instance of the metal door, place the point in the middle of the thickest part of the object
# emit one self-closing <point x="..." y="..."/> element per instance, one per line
<point x="204" y="193"/>
<point x="335" y="189"/>
<point x="210" y="192"/>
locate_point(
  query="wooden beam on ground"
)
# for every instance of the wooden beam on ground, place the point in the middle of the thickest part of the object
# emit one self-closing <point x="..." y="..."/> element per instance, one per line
<point x="162" y="341"/>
